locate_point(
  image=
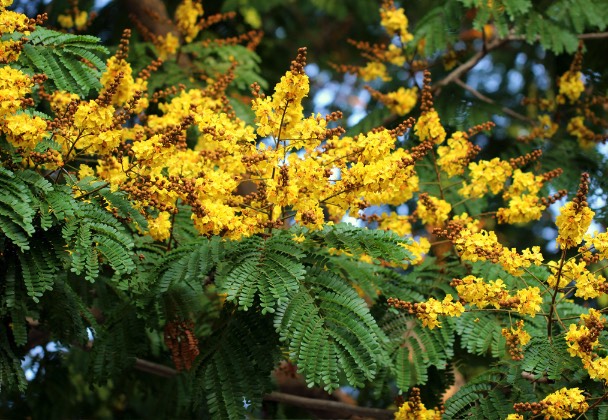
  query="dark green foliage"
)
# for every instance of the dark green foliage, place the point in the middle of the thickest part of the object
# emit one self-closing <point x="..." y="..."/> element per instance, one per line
<point x="375" y="243"/>
<point x="482" y="397"/>
<point x="267" y="268"/>
<point x="543" y="358"/>
<point x="328" y="328"/>
<point x="413" y="349"/>
<point x="234" y="369"/>
<point x="58" y="55"/>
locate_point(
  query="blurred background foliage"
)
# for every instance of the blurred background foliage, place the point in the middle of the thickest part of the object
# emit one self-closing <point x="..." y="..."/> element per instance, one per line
<point x="504" y="76"/>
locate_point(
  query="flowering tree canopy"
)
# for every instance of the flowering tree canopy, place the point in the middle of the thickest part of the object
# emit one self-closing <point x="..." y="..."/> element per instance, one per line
<point x="173" y="224"/>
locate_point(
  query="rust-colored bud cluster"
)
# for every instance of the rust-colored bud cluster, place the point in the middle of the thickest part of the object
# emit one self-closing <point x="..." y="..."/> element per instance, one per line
<point x="297" y="65"/>
<point x="522" y="161"/>
<point x="183" y="344"/>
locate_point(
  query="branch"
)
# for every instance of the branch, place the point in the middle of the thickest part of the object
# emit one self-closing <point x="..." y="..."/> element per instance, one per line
<point x="490" y="101"/>
<point x="467" y="65"/>
<point x="154" y="368"/>
<point x="595" y="35"/>
<point x="315" y="404"/>
<point x="309" y="403"/>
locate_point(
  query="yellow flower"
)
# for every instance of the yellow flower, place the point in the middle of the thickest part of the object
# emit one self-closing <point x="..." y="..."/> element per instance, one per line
<point x="429" y="126"/>
<point x="530" y="301"/>
<point x="572" y="224"/>
<point x="432" y="308"/>
<point x="23" y="130"/>
<point x="408" y="411"/>
<point x="453" y="157"/>
<point x="159" y="228"/>
<point x="395" y="22"/>
<point x="486" y="175"/>
<point x="402" y="100"/>
<point x="563" y="404"/>
<point x="436" y="213"/>
<point x="571" y="85"/>
<point x="187" y="15"/>
<point x="476" y="291"/>
<point x="166" y="45"/>
<point x="374" y="70"/>
<point x="576" y="127"/>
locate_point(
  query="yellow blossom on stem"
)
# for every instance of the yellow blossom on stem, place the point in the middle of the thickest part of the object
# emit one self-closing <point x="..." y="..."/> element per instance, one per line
<point x="571" y="85"/>
<point x="521" y="209"/>
<point x="407" y="411"/>
<point x="395" y="22"/>
<point x="432" y="308"/>
<point x="486" y="175"/>
<point x="564" y="404"/>
<point x="23" y="130"/>
<point x="452" y="158"/>
<point x="429" y="126"/>
<point x="400" y="224"/>
<point x="159" y="228"/>
<point x="435" y="213"/>
<point x="572" y="223"/>
<point x="166" y="45"/>
<point x="476" y="291"/>
<point x="374" y="70"/>
<point x="401" y="101"/>
<point x="530" y="301"/>
<point x="576" y="127"/>
<point x="187" y="14"/>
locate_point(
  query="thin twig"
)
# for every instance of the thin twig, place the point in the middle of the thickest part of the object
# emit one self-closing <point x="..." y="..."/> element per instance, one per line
<point x="310" y="403"/>
<point x="154" y="368"/>
<point x="316" y="404"/>
<point x="467" y="65"/>
<point x="490" y="101"/>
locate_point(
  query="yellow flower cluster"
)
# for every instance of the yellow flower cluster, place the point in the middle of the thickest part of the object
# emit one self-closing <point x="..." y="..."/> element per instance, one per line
<point x="524" y="204"/>
<point x="436" y="213"/>
<point x="395" y="22"/>
<point x="159" y="228"/>
<point x="68" y="21"/>
<point x="429" y="126"/>
<point x="407" y="411"/>
<point x="93" y="130"/>
<point x="476" y="291"/>
<point x="13" y="21"/>
<point x="452" y="158"/>
<point x="484" y="245"/>
<point x="401" y="101"/>
<point x="127" y="87"/>
<point x="486" y="175"/>
<point x="166" y="45"/>
<point x="432" y="308"/>
<point x="572" y="224"/>
<point x="576" y="127"/>
<point x="517" y="335"/>
<point x="374" y="70"/>
<point x="418" y="247"/>
<point x="588" y="285"/>
<point x="571" y="86"/>
<point x="564" y="404"/>
<point x="400" y="224"/>
<point x="599" y="241"/>
<point x="187" y="14"/>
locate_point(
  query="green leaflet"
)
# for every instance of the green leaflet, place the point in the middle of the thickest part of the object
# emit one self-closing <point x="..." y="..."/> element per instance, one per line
<point x="60" y="56"/>
<point x="327" y="328"/>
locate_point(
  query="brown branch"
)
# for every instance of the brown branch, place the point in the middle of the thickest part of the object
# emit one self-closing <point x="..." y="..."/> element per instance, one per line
<point x="154" y="368"/>
<point x="467" y="65"/>
<point x="316" y="404"/>
<point x="595" y="35"/>
<point x="309" y="403"/>
<point x="490" y="101"/>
